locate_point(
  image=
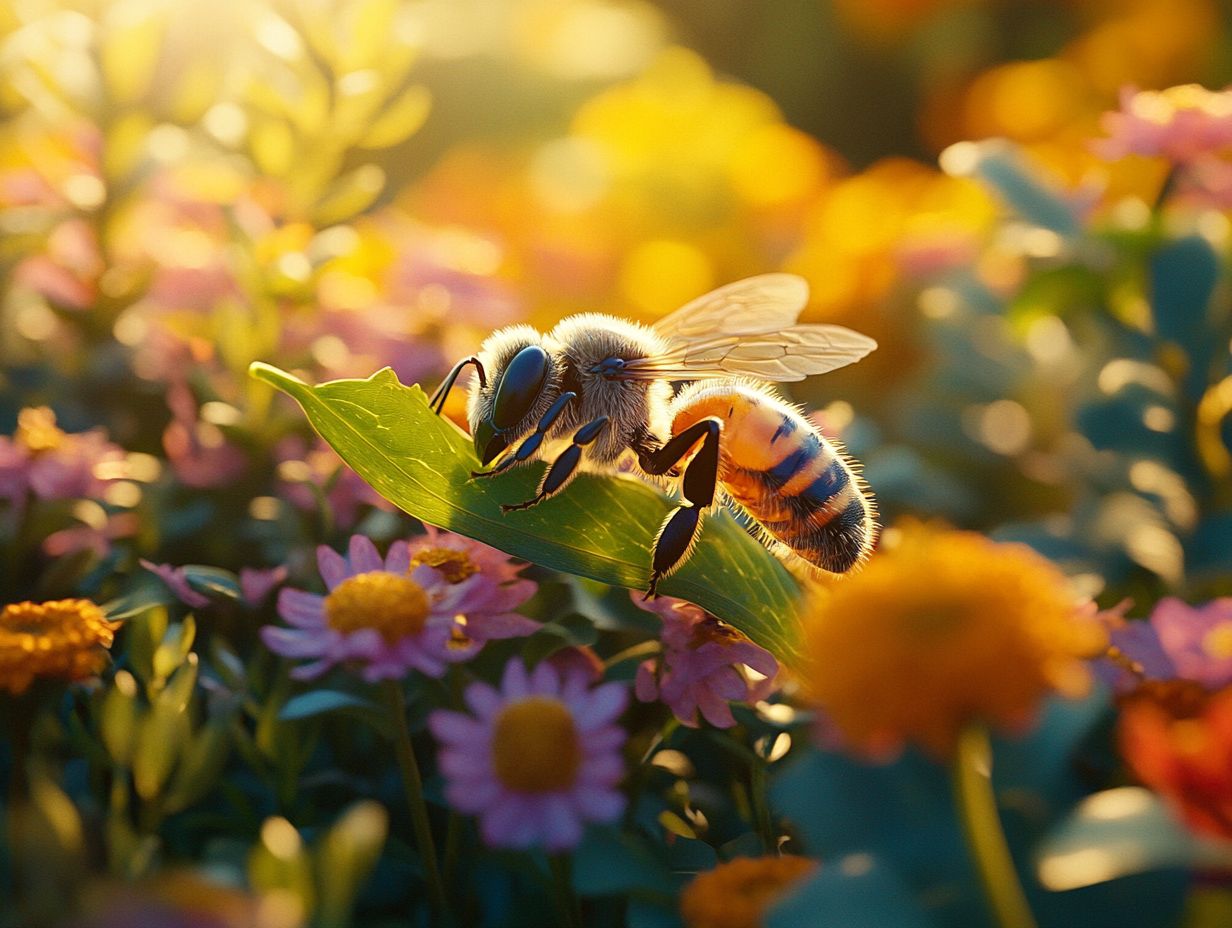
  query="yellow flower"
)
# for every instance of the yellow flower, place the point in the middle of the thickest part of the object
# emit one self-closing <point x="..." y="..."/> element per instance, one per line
<point x="66" y="639"/>
<point x="940" y="629"/>
<point x="738" y="893"/>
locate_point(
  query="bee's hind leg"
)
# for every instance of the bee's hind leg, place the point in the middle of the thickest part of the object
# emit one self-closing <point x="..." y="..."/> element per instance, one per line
<point x="437" y="402"/>
<point x="675" y="540"/>
<point x="562" y="469"/>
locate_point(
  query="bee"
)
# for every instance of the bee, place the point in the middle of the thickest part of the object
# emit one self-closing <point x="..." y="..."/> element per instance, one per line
<point x="690" y="400"/>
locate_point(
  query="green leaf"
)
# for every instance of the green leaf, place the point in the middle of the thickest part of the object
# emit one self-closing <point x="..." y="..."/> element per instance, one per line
<point x="318" y="702"/>
<point x="345" y="858"/>
<point x="602" y="527"/>
<point x="1120" y="832"/>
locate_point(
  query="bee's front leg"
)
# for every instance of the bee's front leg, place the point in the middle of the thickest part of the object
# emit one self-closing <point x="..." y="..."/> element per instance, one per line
<point x="675" y="540"/>
<point x="437" y="402"/>
<point x="565" y="465"/>
<point x="530" y="444"/>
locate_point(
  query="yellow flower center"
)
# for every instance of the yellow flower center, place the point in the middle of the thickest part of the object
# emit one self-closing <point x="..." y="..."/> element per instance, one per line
<point x="37" y="431"/>
<point x="738" y="893"/>
<point x="395" y="606"/>
<point x="455" y="566"/>
<point x="1218" y="641"/>
<point x="536" y="747"/>
<point x="66" y="638"/>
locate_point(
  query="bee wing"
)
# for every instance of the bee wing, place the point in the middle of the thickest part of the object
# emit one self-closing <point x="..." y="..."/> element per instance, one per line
<point x="792" y="353"/>
<point x="765" y="303"/>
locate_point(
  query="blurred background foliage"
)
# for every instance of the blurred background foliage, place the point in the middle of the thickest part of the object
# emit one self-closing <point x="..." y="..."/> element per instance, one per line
<point x="334" y="186"/>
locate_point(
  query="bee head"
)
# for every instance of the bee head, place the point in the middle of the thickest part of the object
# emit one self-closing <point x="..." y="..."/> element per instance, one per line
<point x="516" y="394"/>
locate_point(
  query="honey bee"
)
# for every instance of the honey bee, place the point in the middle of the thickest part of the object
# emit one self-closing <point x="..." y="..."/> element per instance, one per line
<point x="688" y="399"/>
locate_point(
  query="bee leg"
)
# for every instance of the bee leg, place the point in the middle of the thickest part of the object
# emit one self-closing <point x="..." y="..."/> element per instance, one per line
<point x="701" y="478"/>
<point x="530" y="444"/>
<point x="562" y="469"/>
<point x="437" y="402"/>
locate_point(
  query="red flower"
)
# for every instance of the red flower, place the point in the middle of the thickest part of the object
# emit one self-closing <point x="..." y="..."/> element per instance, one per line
<point x="1183" y="751"/>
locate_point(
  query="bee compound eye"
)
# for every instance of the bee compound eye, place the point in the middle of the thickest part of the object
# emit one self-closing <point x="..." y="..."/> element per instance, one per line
<point x="519" y="386"/>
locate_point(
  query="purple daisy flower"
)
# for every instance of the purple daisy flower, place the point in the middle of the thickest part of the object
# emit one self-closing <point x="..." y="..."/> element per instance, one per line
<point x="1198" y="639"/>
<point x="705" y="665"/>
<point x="538" y="759"/>
<point x="1178" y="642"/>
<point x="391" y="616"/>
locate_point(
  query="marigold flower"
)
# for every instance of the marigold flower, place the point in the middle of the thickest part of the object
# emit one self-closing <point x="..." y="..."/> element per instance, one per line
<point x="65" y="639"/>
<point x="940" y="629"/>
<point x="391" y="616"/>
<point x="536" y="759"/>
<point x="738" y="894"/>
<point x="703" y="666"/>
<point x="1184" y="752"/>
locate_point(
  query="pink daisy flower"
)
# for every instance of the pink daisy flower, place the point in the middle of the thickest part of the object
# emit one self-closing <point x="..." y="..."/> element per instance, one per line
<point x="458" y="557"/>
<point x="705" y="665"/>
<point x="391" y="616"/>
<point x="52" y="464"/>
<point x="538" y="759"/>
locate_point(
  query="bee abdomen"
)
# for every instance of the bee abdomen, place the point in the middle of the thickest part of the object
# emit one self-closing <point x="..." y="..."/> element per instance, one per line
<point x="810" y="501"/>
<point x="779" y="468"/>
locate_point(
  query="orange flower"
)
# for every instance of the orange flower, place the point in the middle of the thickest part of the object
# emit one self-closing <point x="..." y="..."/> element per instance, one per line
<point x="940" y="629"/>
<point x="738" y="893"/>
<point x="66" y="639"/>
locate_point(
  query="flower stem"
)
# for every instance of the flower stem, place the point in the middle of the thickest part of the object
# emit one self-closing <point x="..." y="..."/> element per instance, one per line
<point x="566" y="901"/>
<point x="971" y="772"/>
<point x="761" y="808"/>
<point x="413" y="784"/>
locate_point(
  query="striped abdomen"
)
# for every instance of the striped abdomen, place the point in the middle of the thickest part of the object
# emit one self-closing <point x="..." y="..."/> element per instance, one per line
<point x="778" y="467"/>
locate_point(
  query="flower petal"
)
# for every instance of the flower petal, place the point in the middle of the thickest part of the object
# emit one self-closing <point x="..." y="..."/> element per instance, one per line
<point x="363" y="555"/>
<point x="332" y="565"/>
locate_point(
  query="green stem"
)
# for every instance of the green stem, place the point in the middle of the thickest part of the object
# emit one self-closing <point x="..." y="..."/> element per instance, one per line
<point x="971" y="771"/>
<point x="566" y="901"/>
<point x="761" y="809"/>
<point x="413" y="784"/>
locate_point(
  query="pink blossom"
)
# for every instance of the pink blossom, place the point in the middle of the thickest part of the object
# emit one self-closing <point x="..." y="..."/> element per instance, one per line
<point x="1188" y="125"/>
<point x="302" y="466"/>
<point x="66" y="273"/>
<point x="176" y="579"/>
<point x="537" y="758"/>
<point x="1182" y="124"/>
<point x="704" y="665"/>
<point x="199" y="452"/>
<point x="94" y="536"/>
<point x="52" y="464"/>
<point x="257" y="583"/>
<point x="389" y="616"/>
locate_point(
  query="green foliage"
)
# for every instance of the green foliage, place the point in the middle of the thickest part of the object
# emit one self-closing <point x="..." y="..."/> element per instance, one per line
<point x="602" y="527"/>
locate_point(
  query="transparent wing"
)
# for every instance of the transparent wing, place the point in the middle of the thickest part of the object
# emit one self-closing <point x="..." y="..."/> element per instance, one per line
<point x="765" y="303"/>
<point x="792" y="353"/>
